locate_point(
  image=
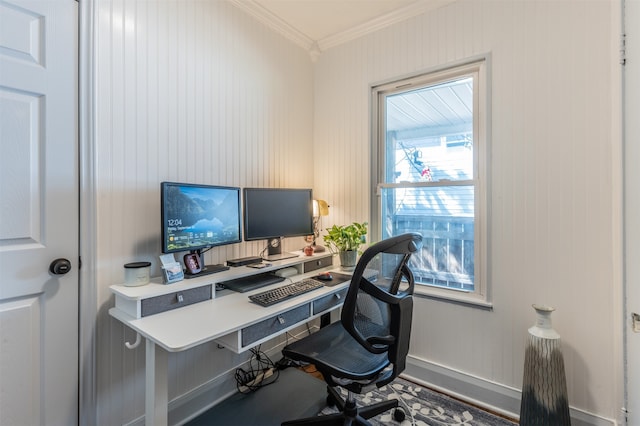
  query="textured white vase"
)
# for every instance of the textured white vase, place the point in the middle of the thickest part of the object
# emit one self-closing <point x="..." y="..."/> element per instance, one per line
<point x="544" y="386"/>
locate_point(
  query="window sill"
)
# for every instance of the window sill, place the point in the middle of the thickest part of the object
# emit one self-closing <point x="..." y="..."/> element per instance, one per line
<point x="460" y="297"/>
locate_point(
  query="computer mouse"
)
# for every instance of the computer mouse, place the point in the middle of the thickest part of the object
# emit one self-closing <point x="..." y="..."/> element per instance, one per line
<point x="325" y="276"/>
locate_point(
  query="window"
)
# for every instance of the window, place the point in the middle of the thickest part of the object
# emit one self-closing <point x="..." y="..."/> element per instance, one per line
<point x="430" y="175"/>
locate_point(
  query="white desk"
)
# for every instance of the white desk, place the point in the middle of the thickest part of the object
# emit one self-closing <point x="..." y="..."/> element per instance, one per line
<point x="230" y="319"/>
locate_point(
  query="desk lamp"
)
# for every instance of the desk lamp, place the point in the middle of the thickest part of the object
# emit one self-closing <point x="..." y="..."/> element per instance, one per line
<point x="320" y="208"/>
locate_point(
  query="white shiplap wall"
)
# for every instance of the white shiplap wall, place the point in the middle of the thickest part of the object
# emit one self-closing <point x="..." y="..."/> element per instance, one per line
<point x="555" y="199"/>
<point x="193" y="91"/>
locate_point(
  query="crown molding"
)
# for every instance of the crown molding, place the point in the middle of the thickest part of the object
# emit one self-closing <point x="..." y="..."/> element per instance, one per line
<point x="407" y="12"/>
<point x="316" y="47"/>
<point x="274" y="22"/>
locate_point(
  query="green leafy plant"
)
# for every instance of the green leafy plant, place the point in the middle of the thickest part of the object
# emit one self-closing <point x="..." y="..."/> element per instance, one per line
<point x="346" y="237"/>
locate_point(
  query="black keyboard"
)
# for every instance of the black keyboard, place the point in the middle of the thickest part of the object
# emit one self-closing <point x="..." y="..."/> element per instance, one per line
<point x="271" y="297"/>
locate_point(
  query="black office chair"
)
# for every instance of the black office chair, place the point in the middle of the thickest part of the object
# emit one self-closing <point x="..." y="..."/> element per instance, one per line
<point x="369" y="345"/>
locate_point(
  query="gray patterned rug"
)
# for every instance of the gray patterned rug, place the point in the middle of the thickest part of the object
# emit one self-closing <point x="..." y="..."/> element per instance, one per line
<point x="424" y="407"/>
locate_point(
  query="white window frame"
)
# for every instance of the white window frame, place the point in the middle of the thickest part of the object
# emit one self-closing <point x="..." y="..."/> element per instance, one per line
<point x="479" y="68"/>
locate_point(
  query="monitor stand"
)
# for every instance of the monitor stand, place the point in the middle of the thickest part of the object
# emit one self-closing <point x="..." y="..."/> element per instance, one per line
<point x="275" y="251"/>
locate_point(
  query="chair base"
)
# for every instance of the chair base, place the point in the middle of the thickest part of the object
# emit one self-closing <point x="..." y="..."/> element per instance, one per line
<point x="349" y="413"/>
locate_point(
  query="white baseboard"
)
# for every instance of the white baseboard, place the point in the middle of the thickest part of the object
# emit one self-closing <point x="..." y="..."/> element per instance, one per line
<point x="491" y="396"/>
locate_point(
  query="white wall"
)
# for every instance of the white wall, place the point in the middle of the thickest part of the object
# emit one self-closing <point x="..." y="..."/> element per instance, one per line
<point x="198" y="91"/>
<point x="193" y="91"/>
<point x="555" y="164"/>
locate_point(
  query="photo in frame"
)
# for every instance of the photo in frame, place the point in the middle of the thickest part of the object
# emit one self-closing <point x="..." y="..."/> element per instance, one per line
<point x="192" y="263"/>
<point x="172" y="272"/>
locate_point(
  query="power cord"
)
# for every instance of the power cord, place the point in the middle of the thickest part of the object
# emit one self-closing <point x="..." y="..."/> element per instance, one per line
<point x="288" y="335"/>
<point x="262" y="372"/>
<point x="284" y="363"/>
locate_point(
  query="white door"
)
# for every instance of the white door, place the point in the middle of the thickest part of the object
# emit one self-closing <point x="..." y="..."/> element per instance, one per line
<point x="632" y="209"/>
<point x="38" y="212"/>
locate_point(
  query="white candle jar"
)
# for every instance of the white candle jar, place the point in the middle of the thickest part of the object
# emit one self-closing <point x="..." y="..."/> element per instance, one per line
<point x="136" y="273"/>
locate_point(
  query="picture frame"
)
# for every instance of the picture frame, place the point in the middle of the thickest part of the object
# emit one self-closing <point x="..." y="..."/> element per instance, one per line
<point x="192" y="263"/>
<point x="172" y="272"/>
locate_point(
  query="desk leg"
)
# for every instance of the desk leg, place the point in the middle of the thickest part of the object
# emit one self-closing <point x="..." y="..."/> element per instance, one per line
<point x="157" y="395"/>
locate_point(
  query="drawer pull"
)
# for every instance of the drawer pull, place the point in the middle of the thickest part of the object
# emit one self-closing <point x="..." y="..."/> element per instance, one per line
<point x="338" y="296"/>
<point x="281" y="320"/>
<point x="180" y="297"/>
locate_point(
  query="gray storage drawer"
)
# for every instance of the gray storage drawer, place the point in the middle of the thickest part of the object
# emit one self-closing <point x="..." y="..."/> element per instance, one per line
<point x="329" y="301"/>
<point x="272" y="325"/>
<point x="166" y="302"/>
<point x="312" y="265"/>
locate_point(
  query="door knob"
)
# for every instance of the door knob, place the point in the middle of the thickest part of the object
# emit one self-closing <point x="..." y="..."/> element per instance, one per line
<point x="60" y="266"/>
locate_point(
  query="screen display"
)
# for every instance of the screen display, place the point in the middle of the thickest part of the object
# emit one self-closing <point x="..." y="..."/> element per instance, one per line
<point x="274" y="213"/>
<point x="195" y="217"/>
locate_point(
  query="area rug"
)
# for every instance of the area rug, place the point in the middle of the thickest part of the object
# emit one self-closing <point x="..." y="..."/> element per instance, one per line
<point x="424" y="407"/>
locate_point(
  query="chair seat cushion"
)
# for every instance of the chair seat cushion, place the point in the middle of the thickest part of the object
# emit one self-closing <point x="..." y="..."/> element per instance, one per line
<point x="335" y="352"/>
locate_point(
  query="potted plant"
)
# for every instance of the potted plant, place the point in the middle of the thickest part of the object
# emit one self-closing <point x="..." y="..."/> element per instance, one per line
<point x="346" y="240"/>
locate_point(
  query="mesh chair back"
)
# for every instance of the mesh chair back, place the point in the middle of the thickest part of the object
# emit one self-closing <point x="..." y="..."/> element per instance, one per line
<point x="378" y="307"/>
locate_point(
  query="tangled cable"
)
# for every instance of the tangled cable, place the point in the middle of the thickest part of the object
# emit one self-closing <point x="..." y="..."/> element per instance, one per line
<point x="262" y="372"/>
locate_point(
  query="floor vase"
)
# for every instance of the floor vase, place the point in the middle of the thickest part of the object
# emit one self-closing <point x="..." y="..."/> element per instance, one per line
<point x="544" y="388"/>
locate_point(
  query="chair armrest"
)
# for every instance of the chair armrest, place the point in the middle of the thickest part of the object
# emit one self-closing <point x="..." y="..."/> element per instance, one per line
<point x="381" y="340"/>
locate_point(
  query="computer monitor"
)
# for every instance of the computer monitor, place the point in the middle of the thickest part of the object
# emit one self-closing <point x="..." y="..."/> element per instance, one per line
<point x="276" y="213"/>
<point x="199" y="217"/>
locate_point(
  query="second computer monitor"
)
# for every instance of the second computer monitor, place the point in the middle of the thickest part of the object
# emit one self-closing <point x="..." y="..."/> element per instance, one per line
<point x="274" y="213"/>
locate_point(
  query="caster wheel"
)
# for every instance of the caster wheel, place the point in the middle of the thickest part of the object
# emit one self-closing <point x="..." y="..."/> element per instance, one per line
<point x="399" y="415"/>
